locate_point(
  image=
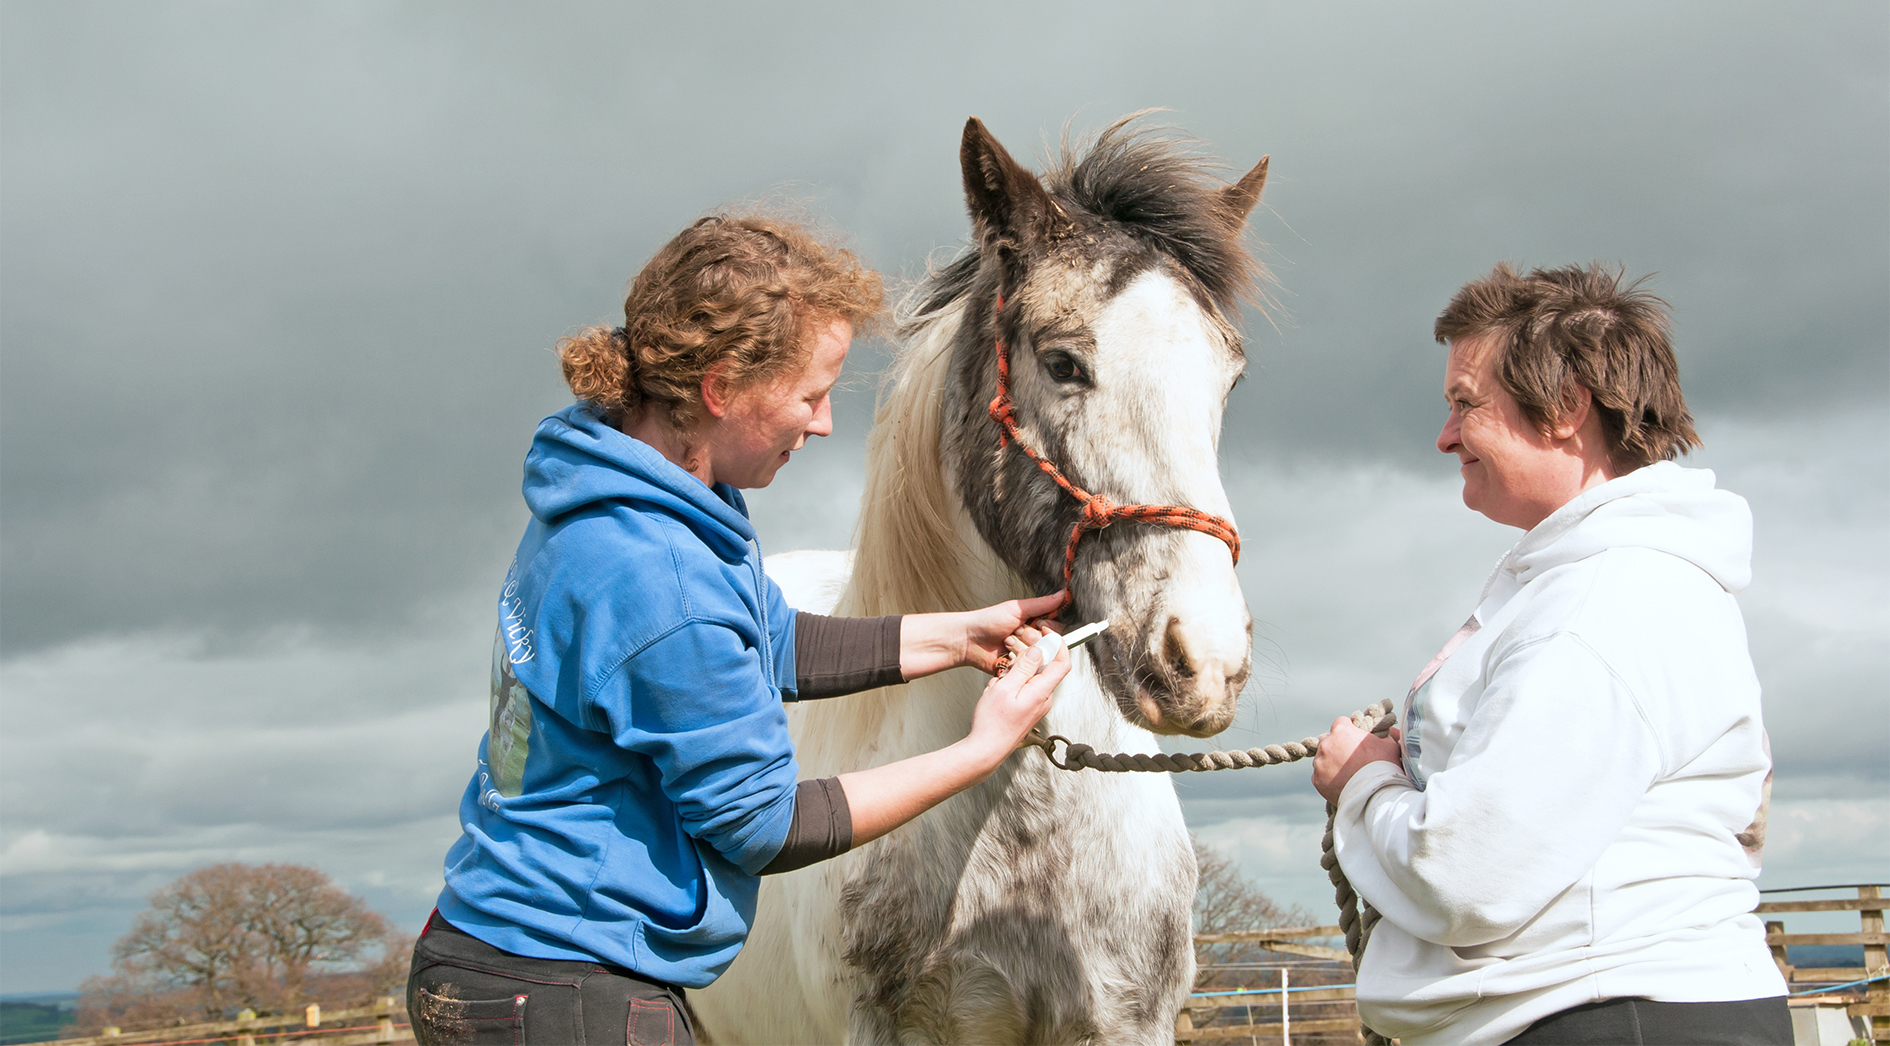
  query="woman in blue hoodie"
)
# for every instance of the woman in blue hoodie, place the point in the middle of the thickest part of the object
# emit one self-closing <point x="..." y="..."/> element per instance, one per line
<point x="637" y="776"/>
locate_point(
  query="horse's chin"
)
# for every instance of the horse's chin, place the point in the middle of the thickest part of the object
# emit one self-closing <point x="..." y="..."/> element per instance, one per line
<point x="1147" y="713"/>
<point x="1147" y="700"/>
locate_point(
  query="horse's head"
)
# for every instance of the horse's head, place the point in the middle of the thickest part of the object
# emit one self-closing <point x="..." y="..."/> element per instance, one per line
<point x="1120" y="276"/>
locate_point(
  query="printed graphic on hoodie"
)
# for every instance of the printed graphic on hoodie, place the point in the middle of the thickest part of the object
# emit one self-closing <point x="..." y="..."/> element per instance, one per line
<point x="509" y="732"/>
<point x="519" y="641"/>
<point x="508" y="735"/>
<point x="1413" y="731"/>
<point x="1414" y="702"/>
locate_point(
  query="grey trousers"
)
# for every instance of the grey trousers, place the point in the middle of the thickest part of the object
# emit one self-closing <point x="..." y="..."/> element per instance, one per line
<point x="1634" y="1022"/>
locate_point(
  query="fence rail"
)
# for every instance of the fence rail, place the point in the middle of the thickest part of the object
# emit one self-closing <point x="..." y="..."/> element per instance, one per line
<point x="1869" y="1000"/>
<point x="1308" y="1010"/>
<point x="313" y="1027"/>
<point x="1860" y="990"/>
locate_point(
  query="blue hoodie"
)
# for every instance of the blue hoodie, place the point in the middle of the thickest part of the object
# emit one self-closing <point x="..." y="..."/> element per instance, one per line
<point x="637" y="772"/>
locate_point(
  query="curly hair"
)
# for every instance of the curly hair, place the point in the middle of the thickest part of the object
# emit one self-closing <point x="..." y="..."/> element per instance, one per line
<point x="1558" y="328"/>
<point x="739" y="291"/>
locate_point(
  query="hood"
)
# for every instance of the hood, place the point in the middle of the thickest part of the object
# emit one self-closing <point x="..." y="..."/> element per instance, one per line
<point x="578" y="460"/>
<point x="1662" y="507"/>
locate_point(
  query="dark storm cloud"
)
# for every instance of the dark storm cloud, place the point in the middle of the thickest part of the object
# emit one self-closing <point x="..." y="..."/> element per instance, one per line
<point x="279" y="282"/>
<point x="1717" y="146"/>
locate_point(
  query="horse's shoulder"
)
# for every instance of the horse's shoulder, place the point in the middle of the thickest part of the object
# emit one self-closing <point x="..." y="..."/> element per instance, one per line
<point x="811" y="579"/>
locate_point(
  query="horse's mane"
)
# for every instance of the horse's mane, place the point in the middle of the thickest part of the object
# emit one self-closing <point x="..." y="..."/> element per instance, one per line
<point x="1149" y="183"/>
<point x="910" y="558"/>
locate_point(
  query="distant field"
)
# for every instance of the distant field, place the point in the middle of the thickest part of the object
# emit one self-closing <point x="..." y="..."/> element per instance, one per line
<point x="1825" y="955"/>
<point x="32" y="1021"/>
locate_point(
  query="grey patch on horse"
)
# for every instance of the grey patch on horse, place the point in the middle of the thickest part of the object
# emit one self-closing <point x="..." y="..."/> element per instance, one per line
<point x="921" y="956"/>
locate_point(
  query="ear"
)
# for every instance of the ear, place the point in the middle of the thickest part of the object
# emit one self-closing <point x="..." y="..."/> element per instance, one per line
<point x="1005" y="199"/>
<point x="1239" y="199"/>
<point x="716" y="395"/>
<point x="1577" y="402"/>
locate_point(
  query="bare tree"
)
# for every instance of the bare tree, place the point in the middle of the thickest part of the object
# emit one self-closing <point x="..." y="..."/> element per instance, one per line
<point x="302" y="922"/>
<point x="240" y="935"/>
<point x="1225" y="902"/>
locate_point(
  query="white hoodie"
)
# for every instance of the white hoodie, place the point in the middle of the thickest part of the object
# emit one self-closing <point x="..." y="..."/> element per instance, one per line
<point x="1585" y="758"/>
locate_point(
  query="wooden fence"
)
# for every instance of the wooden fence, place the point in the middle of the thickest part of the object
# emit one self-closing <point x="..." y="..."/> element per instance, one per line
<point x="383" y="1022"/>
<point x="1863" y="990"/>
<point x="1310" y="1011"/>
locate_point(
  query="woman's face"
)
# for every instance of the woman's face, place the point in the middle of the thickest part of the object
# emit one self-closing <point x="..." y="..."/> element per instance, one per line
<point x="1512" y="472"/>
<point x="765" y="423"/>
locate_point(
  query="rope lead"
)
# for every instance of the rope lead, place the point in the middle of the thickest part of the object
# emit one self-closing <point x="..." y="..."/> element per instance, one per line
<point x="1356" y="915"/>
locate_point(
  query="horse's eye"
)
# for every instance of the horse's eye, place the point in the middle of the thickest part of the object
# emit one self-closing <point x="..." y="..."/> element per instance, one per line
<point x="1063" y="367"/>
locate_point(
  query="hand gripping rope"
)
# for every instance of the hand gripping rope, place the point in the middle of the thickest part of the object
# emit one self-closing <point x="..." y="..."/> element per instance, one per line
<point x="1356" y="916"/>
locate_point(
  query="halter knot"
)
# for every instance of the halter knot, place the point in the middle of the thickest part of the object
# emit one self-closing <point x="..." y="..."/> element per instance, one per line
<point x="1004" y="412"/>
<point x="1098" y="512"/>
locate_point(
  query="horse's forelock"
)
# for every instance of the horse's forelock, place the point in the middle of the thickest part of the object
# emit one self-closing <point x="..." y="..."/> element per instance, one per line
<point x="1138" y="198"/>
<point x="1149" y="184"/>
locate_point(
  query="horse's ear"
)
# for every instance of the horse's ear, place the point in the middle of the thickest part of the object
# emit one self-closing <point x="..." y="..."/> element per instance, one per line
<point x="1006" y="200"/>
<point x="1239" y="199"/>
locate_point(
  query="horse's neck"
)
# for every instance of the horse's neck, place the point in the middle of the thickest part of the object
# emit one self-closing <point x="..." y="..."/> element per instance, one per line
<point x="918" y="551"/>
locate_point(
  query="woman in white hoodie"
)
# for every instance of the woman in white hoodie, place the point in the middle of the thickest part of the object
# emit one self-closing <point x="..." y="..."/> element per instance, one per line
<point x="1558" y="839"/>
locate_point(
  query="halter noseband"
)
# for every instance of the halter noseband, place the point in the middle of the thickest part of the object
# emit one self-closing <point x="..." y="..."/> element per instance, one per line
<point x="1098" y="511"/>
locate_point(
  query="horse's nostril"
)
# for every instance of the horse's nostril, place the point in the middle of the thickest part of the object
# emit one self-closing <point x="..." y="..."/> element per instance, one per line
<point x="1175" y="650"/>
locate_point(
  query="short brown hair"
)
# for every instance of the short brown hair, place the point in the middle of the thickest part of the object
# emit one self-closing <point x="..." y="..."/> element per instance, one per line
<point x="1556" y="328"/>
<point x="734" y="289"/>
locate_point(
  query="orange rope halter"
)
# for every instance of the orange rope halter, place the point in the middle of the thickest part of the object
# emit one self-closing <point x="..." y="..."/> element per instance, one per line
<point x="1098" y="511"/>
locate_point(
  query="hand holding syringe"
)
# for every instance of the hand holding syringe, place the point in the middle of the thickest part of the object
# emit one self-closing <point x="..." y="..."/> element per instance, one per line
<point x="1049" y="644"/>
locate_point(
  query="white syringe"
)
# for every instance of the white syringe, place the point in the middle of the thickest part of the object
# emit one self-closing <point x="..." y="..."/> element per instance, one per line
<point x="1047" y="646"/>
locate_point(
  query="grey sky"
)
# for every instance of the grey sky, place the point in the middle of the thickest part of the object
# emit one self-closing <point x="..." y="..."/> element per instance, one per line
<point x="278" y="285"/>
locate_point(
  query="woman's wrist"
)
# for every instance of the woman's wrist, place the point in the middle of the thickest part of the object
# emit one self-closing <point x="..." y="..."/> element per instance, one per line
<point x="930" y="643"/>
<point x="980" y="755"/>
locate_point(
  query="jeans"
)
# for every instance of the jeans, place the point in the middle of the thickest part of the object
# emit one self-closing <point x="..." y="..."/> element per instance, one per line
<point x="463" y="990"/>
<point x="1632" y="1022"/>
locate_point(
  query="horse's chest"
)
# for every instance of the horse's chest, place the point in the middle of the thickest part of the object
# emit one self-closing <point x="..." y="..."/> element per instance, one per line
<point x="1056" y="927"/>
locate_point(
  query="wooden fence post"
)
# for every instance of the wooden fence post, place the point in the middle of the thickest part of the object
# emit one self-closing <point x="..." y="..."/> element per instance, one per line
<point x="1778" y="950"/>
<point x="1876" y="964"/>
<point x="384" y="1019"/>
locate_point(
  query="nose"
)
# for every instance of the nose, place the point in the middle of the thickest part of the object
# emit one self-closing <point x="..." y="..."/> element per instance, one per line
<point x="1206" y="667"/>
<point x="1205" y="653"/>
<point x="1448" y="439"/>
<point x="1202" y="642"/>
<point x="822" y="425"/>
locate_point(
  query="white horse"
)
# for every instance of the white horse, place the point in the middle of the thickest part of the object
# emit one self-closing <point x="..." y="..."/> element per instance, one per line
<point x="1042" y="906"/>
